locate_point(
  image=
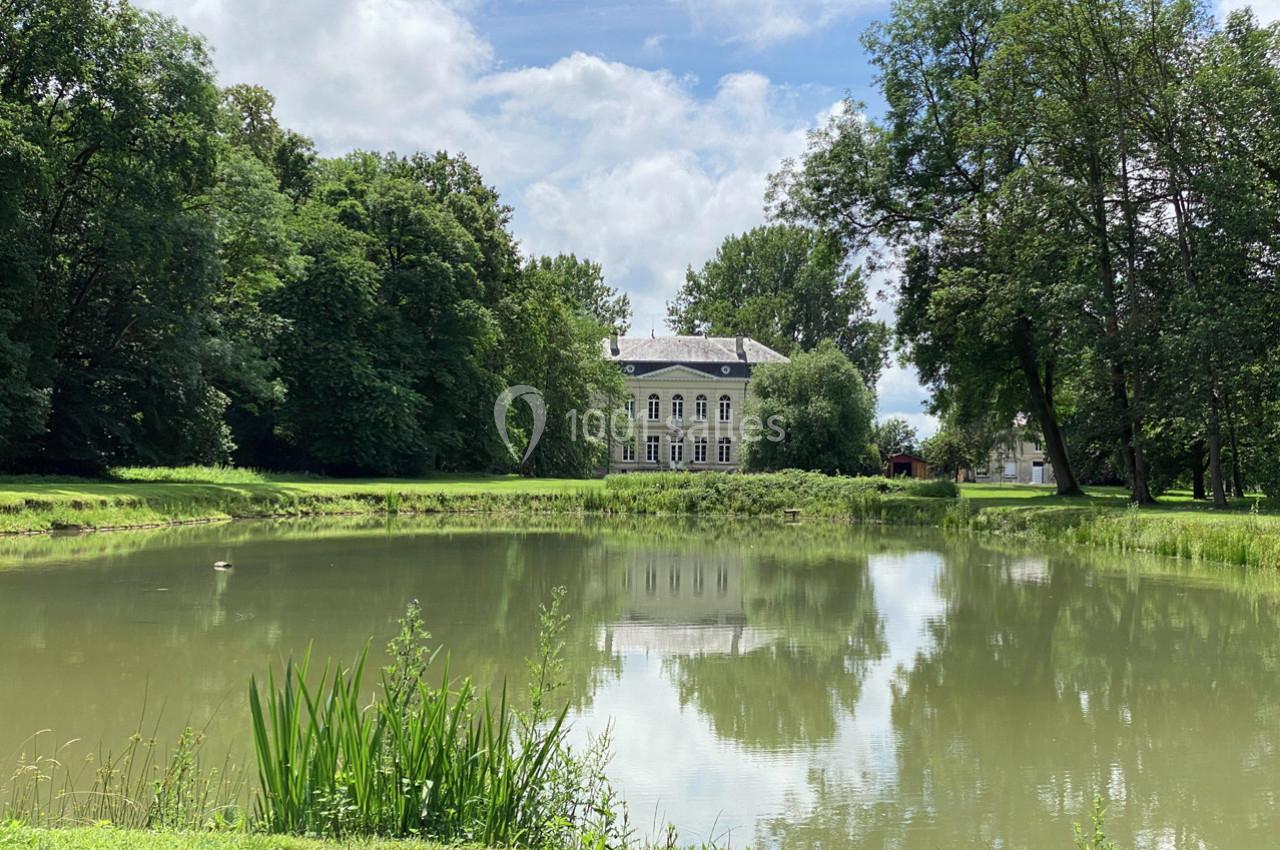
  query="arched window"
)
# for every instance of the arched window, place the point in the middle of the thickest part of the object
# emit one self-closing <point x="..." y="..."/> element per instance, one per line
<point x="700" y="408"/>
<point x="677" y="406"/>
<point x="724" y="449"/>
<point x="725" y="408"/>
<point x="653" y="407"/>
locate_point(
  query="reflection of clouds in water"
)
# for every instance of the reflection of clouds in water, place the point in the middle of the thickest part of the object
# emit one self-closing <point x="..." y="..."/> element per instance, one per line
<point x="863" y="757"/>
<point x="1028" y="569"/>
<point x="671" y="765"/>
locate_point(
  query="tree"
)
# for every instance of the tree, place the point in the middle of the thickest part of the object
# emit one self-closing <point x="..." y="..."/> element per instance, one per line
<point x="248" y="123"/>
<point x="258" y="254"/>
<point x="788" y="287"/>
<point x="116" y="112"/>
<point x="551" y="329"/>
<point x="986" y="265"/>
<point x="895" y="436"/>
<point x="389" y="364"/>
<point x="581" y="285"/>
<point x="821" y="404"/>
<point x="965" y="446"/>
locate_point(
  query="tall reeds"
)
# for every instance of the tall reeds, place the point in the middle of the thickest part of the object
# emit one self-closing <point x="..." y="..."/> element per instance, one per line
<point x="444" y="761"/>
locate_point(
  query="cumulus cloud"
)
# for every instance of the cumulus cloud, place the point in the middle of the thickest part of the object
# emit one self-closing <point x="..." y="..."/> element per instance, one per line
<point x="631" y="167"/>
<point x="1267" y="11"/>
<point x="761" y="23"/>
<point x="900" y="394"/>
<point x="640" y="170"/>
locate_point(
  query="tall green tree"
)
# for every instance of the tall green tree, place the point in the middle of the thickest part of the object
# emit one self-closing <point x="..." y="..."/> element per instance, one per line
<point x="894" y="436"/>
<point x="986" y="264"/>
<point x="820" y="404"/>
<point x="116" y="112"/>
<point x="387" y="366"/>
<point x="1060" y="185"/>
<point x="582" y="286"/>
<point x="788" y="287"/>
<point x="552" y="328"/>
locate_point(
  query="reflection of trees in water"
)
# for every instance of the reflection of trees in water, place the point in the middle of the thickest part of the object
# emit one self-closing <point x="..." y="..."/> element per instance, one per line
<point x="819" y="611"/>
<point x="1050" y="682"/>
<point x="86" y="642"/>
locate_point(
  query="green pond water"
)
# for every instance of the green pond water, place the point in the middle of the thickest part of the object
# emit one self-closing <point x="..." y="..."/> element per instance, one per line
<point x="793" y="686"/>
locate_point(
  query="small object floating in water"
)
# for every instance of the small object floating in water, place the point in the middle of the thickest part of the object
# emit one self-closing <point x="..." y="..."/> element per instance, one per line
<point x="222" y="566"/>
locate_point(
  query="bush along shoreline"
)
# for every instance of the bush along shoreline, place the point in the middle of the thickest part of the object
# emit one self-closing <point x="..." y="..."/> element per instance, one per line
<point x="157" y="497"/>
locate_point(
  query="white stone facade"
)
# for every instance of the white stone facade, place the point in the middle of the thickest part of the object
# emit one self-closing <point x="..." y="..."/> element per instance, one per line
<point x="685" y="397"/>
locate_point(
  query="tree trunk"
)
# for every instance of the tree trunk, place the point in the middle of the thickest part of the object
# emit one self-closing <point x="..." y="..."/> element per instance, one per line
<point x="1213" y="436"/>
<point x="1237" y="474"/>
<point x="1213" y="428"/>
<point x="1113" y="344"/>
<point x="1041" y="395"/>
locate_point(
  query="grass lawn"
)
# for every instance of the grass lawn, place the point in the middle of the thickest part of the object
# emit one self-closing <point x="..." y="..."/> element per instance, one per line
<point x="1176" y="503"/>
<point x="1247" y="534"/>
<point x="103" y="838"/>
<point x="142" y="497"/>
<point x="166" y="483"/>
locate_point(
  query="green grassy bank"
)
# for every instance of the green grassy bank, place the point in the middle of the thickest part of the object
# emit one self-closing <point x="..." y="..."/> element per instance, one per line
<point x="142" y="497"/>
<point x="106" y="838"/>
<point x="1247" y="534"/>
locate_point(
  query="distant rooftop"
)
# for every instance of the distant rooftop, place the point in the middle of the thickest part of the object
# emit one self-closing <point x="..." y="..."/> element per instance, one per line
<point x="690" y="349"/>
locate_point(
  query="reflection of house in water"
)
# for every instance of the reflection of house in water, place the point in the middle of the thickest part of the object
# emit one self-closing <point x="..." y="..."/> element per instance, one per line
<point x="681" y="604"/>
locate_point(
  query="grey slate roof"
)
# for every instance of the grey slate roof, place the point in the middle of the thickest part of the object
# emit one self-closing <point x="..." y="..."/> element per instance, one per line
<point x="689" y="349"/>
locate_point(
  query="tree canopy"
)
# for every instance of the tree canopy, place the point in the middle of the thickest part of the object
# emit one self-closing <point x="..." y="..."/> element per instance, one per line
<point x="185" y="280"/>
<point x="788" y="287"/>
<point x="820" y="404"/>
<point x="1059" y="187"/>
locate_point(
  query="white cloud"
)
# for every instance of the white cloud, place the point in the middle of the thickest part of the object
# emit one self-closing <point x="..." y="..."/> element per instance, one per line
<point x="628" y="166"/>
<point x="1267" y="11"/>
<point x="760" y="23"/>
<point x="345" y="71"/>
<point x="900" y="394"/>
<point x="631" y="167"/>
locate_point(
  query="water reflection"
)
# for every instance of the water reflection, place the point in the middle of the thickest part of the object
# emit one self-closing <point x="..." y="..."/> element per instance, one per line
<point x="804" y="686"/>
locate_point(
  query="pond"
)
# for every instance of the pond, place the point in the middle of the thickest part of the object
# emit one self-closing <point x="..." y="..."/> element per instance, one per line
<point x="795" y="686"/>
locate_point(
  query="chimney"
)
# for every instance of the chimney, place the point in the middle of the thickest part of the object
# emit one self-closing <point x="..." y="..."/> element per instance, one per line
<point x="613" y="344"/>
<point x="742" y="349"/>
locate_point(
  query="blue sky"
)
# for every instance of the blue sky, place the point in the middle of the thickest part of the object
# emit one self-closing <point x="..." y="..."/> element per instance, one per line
<point x="637" y="134"/>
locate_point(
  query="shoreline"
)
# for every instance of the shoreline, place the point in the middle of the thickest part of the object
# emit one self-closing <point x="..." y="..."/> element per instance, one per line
<point x="1181" y="530"/>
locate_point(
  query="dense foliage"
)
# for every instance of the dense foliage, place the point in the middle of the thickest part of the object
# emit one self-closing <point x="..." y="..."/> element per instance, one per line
<point x="788" y="287"/>
<point x="184" y="280"/>
<point x="815" y="413"/>
<point x="1083" y="203"/>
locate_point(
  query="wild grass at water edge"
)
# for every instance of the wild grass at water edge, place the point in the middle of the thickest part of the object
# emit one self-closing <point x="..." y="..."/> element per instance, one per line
<point x="31" y="506"/>
<point x="1241" y="539"/>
